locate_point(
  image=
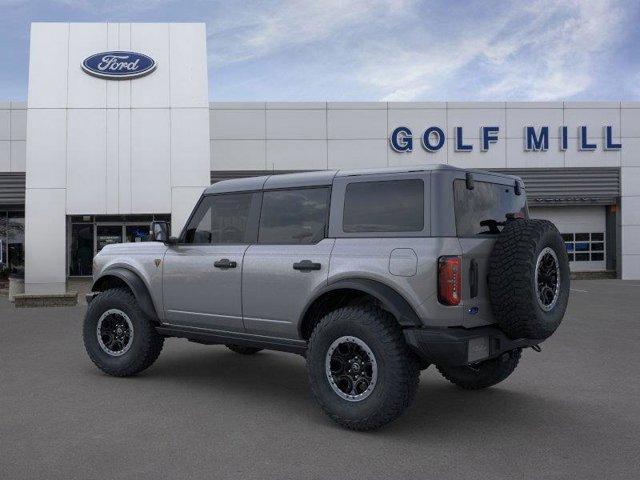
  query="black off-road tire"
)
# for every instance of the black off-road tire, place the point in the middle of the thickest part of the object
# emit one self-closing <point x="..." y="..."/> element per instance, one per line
<point x="146" y="344"/>
<point x="484" y="374"/>
<point x="512" y="279"/>
<point x="398" y="369"/>
<point x="422" y="365"/>
<point x="242" y="350"/>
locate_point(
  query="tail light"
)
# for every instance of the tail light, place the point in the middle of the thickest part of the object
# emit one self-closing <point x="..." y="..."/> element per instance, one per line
<point x="449" y="280"/>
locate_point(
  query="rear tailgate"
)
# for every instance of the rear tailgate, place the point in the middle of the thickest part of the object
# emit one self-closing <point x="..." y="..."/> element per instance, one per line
<point x="482" y="203"/>
<point x="475" y="268"/>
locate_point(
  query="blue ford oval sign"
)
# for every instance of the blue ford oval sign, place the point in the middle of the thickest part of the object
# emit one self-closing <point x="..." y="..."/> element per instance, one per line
<point x="118" y="65"/>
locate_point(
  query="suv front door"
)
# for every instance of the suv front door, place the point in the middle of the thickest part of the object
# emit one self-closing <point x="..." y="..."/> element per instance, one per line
<point x="202" y="274"/>
<point x="289" y="262"/>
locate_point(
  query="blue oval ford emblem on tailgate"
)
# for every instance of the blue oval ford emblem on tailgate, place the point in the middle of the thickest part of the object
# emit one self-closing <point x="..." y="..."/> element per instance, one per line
<point x="118" y="65"/>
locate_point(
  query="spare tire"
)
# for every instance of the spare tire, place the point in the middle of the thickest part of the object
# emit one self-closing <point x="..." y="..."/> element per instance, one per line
<point x="529" y="279"/>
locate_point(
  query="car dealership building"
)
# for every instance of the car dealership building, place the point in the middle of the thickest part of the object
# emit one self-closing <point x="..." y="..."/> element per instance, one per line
<point x="118" y="130"/>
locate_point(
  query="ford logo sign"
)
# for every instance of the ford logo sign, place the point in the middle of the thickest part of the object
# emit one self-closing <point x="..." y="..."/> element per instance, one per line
<point x="118" y="65"/>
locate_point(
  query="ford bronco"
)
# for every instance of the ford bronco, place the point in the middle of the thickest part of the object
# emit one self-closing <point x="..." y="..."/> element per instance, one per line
<point x="372" y="275"/>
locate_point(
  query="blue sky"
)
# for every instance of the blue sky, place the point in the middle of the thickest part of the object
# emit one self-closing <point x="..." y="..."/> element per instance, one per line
<point x="361" y="50"/>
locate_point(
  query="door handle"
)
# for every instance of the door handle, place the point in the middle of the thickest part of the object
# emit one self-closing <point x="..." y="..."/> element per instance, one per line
<point x="473" y="279"/>
<point x="306" y="265"/>
<point x="225" y="263"/>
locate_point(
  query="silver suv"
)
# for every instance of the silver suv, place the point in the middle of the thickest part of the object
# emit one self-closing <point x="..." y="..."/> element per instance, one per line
<point x="372" y="275"/>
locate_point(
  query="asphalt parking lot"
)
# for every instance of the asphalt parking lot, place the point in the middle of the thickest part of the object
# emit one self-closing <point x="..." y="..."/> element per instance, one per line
<point x="572" y="411"/>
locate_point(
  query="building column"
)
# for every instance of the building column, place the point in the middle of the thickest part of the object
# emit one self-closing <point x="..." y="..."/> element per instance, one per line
<point x="630" y="223"/>
<point x="45" y="241"/>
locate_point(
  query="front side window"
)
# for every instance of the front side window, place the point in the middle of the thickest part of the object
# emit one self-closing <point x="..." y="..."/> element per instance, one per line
<point x="296" y="216"/>
<point x="220" y="219"/>
<point x="484" y="209"/>
<point x="384" y="206"/>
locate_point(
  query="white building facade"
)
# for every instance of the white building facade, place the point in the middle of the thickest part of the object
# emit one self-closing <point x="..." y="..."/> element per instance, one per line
<point x="110" y="147"/>
<point x="102" y="157"/>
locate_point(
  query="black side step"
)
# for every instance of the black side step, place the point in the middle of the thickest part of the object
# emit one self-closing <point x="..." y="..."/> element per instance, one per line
<point x="218" y="337"/>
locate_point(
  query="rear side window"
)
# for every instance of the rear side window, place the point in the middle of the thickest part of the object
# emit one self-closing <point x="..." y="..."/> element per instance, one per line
<point x="296" y="216"/>
<point x="220" y="219"/>
<point x="384" y="206"/>
<point x="484" y="209"/>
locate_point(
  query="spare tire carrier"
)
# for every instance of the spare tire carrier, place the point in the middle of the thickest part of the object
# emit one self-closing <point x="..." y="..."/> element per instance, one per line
<point x="529" y="279"/>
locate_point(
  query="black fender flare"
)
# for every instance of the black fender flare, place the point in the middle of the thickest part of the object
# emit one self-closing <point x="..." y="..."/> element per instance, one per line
<point x="392" y="301"/>
<point x="135" y="284"/>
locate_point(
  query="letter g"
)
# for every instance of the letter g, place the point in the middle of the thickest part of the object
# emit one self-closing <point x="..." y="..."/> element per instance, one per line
<point x="401" y="139"/>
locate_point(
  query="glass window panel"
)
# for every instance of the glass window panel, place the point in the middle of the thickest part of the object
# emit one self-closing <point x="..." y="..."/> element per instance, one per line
<point x="4" y="260"/>
<point x="81" y="218"/>
<point x="220" y="219"/>
<point x="386" y="206"/>
<point x="137" y="233"/>
<point x="569" y="247"/>
<point x="15" y="242"/>
<point x="141" y="219"/>
<point x="598" y="247"/>
<point x="110" y="218"/>
<point x="582" y="237"/>
<point x="107" y="235"/>
<point x="582" y="246"/>
<point x="481" y="211"/>
<point x="582" y="257"/>
<point x="296" y="216"/>
<point x="597" y="257"/>
<point x="599" y="237"/>
<point x="567" y="237"/>
<point x="570" y="255"/>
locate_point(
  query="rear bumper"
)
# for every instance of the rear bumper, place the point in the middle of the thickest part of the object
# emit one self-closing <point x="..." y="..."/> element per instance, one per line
<point x="461" y="346"/>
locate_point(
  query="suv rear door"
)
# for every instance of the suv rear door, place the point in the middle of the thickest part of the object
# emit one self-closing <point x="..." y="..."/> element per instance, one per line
<point x="479" y="213"/>
<point x="289" y="261"/>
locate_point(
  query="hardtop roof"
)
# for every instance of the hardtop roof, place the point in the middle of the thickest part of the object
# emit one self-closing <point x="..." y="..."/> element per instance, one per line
<point x="325" y="177"/>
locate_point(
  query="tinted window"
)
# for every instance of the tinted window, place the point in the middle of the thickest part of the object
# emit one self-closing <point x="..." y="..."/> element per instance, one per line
<point x="294" y="216"/>
<point x="388" y="206"/>
<point x="220" y="219"/>
<point x="484" y="209"/>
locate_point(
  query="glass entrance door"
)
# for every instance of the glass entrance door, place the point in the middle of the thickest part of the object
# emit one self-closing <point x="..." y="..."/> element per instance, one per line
<point x="107" y="235"/>
<point x="88" y="234"/>
<point x="81" y="249"/>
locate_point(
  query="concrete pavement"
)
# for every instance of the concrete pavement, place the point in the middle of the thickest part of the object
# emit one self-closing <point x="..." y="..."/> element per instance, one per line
<point x="572" y="411"/>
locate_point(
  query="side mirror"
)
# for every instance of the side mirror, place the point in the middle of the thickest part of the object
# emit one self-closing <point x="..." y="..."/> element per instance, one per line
<point x="159" y="231"/>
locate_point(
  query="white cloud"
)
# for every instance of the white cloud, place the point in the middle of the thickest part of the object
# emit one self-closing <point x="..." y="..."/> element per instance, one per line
<point x="542" y="51"/>
<point x="104" y="7"/>
<point x="400" y="49"/>
<point x="259" y="29"/>
<point x="408" y="50"/>
<point x="392" y="49"/>
<point x="414" y="74"/>
<point x="569" y="51"/>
